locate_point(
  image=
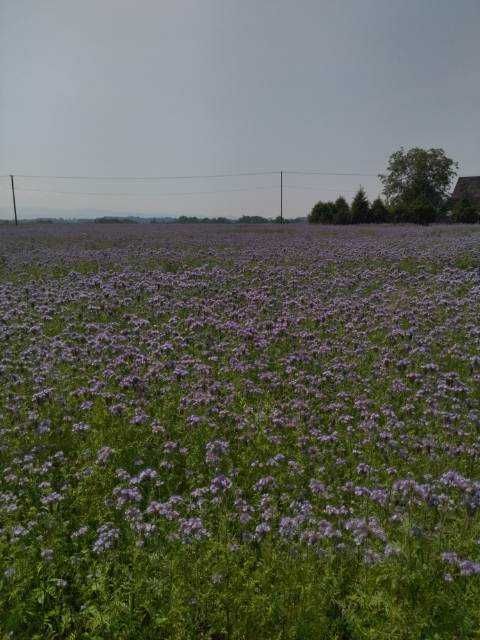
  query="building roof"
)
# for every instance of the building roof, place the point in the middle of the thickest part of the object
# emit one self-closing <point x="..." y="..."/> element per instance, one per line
<point x="467" y="186"/>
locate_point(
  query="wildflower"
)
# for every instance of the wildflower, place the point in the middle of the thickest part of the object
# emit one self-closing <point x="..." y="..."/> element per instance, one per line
<point x="264" y="483"/>
<point x="124" y="495"/>
<point x="80" y="427"/>
<point x="220" y="484"/>
<point x="103" y="455"/>
<point x="44" y="427"/>
<point x="107" y="536"/>
<point x="261" y="530"/>
<point x="51" y="498"/>
<point x="215" y="450"/>
<point x="192" y="529"/>
<point x="317" y="487"/>
<point x="79" y="533"/>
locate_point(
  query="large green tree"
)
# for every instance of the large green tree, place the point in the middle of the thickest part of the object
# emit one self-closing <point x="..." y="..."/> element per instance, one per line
<point x="322" y="212"/>
<point x="418" y="179"/>
<point x="360" y="209"/>
<point x="378" y="211"/>
<point x="342" y="211"/>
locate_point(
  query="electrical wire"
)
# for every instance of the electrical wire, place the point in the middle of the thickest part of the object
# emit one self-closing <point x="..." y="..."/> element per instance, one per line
<point x="145" y="195"/>
<point x="310" y="172"/>
<point x="317" y="188"/>
<point x="144" y="178"/>
<point x="325" y="173"/>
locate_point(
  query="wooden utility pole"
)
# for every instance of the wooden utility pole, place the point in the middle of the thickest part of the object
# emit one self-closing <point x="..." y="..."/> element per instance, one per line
<point x="281" y="197"/>
<point x="14" y="203"/>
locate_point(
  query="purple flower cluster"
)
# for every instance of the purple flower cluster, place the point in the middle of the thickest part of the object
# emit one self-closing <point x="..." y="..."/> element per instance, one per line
<point x="107" y="536"/>
<point x="315" y="389"/>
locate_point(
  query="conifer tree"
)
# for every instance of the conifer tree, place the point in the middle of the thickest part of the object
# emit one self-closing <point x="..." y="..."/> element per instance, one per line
<point x="378" y="211"/>
<point x="360" y="210"/>
<point x="342" y="211"/>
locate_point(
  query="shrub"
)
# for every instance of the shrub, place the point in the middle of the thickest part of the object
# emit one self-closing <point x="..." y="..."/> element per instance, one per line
<point x="465" y="211"/>
<point x="322" y="212"/>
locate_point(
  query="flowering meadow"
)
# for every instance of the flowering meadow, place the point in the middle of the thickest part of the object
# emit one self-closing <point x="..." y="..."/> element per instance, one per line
<point x="239" y="432"/>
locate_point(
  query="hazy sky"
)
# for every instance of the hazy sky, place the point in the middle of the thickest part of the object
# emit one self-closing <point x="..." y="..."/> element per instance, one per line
<point x="151" y="88"/>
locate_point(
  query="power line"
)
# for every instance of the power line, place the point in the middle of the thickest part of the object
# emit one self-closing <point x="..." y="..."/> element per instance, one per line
<point x="319" y="188"/>
<point x="183" y="193"/>
<point x="146" y="195"/>
<point x="143" y="178"/>
<point x="309" y="172"/>
<point x="326" y="173"/>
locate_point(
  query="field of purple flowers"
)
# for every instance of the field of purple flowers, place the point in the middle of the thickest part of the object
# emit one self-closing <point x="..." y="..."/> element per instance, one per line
<point x="239" y="432"/>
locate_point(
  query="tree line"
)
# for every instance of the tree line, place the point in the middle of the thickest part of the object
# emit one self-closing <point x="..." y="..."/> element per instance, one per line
<point x="415" y="189"/>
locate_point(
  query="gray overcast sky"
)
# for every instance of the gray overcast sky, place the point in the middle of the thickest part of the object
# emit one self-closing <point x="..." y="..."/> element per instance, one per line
<point x="145" y="87"/>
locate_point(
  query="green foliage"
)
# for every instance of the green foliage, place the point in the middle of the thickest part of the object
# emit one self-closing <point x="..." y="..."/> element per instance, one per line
<point x="337" y="212"/>
<point x="418" y="179"/>
<point x="379" y="212"/>
<point x="322" y="212"/>
<point x="195" y="219"/>
<point x="465" y="211"/>
<point x="360" y="211"/>
<point x="228" y="585"/>
<point x="342" y="211"/>
<point x="420" y="211"/>
<point x="108" y="220"/>
<point x="253" y="220"/>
